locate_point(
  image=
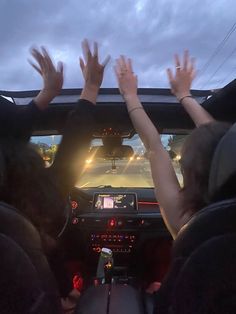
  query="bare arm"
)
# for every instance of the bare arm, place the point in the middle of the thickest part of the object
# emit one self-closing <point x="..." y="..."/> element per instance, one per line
<point x="180" y="86"/>
<point x="165" y="181"/>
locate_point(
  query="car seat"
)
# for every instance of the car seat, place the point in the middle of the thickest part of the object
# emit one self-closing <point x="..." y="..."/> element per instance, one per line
<point x="24" y="266"/>
<point x="216" y="222"/>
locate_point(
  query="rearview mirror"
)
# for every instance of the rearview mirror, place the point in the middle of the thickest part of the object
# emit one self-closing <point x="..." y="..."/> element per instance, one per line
<point x="119" y="152"/>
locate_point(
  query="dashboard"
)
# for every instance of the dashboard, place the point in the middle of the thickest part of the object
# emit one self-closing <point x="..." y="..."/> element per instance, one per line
<point x="116" y="218"/>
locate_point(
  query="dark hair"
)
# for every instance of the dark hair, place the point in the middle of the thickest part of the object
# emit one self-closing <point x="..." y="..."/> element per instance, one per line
<point x="26" y="184"/>
<point x="197" y="154"/>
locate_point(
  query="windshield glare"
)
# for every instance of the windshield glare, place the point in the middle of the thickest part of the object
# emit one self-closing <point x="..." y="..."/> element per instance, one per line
<point x="132" y="171"/>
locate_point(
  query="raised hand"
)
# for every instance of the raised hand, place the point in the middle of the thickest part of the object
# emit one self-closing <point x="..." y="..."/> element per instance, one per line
<point x="126" y="78"/>
<point x="185" y="73"/>
<point x="180" y="86"/>
<point x="91" y="68"/>
<point x="52" y="76"/>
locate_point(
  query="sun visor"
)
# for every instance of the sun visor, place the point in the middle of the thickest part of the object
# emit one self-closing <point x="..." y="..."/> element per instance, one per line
<point x="223" y="165"/>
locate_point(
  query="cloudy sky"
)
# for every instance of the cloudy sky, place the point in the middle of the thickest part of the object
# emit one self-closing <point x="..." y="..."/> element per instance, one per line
<point x="149" y="31"/>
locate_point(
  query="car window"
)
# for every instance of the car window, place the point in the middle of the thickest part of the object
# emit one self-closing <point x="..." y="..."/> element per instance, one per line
<point x="131" y="171"/>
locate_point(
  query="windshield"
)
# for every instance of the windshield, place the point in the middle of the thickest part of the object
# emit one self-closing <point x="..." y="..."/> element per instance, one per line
<point x="131" y="171"/>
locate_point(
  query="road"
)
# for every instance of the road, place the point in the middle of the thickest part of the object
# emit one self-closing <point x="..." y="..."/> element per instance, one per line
<point x="136" y="173"/>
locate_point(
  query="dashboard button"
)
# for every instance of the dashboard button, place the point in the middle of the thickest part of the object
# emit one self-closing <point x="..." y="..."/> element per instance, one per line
<point x="74" y="205"/>
<point x="75" y="221"/>
<point x="120" y="223"/>
<point x="112" y="223"/>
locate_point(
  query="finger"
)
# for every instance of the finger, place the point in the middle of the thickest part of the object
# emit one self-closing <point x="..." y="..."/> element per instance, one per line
<point x="117" y="73"/>
<point x="47" y="58"/>
<point x="170" y="75"/>
<point x="177" y="62"/>
<point x="95" y="50"/>
<point x="86" y="50"/>
<point x="118" y="63"/>
<point x="193" y="74"/>
<point x="82" y="65"/>
<point x="123" y="62"/>
<point x="129" y="65"/>
<point x="38" y="57"/>
<point x="35" y="67"/>
<point x="192" y="65"/>
<point x="186" y="60"/>
<point x="106" y="61"/>
<point x="60" y="67"/>
<point x="118" y="66"/>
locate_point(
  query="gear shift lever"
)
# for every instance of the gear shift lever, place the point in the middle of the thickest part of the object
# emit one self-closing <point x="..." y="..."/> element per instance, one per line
<point x="105" y="266"/>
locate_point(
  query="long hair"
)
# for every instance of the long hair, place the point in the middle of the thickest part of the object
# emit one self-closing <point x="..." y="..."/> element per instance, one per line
<point x="26" y="184"/>
<point x="197" y="154"/>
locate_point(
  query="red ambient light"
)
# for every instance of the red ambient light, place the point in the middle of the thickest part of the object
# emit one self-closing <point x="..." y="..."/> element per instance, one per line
<point x="112" y="223"/>
<point x="74" y="204"/>
<point x="148" y="203"/>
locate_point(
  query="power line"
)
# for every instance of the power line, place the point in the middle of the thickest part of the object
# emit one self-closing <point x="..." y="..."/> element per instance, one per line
<point x="220" y="66"/>
<point x="222" y="82"/>
<point x="218" y="48"/>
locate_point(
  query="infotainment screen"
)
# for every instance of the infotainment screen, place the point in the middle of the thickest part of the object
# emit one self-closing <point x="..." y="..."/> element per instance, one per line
<point x="115" y="201"/>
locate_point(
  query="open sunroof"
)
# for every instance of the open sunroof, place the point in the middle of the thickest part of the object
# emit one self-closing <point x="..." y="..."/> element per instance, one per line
<point x="106" y="95"/>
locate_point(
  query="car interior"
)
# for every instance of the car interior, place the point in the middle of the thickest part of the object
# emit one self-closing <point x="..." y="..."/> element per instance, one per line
<point x="117" y="242"/>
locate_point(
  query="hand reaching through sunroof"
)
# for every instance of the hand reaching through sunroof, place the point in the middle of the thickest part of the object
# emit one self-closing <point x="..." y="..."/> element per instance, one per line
<point x="52" y="76"/>
<point x="180" y="86"/>
<point x="92" y="70"/>
<point x="126" y="78"/>
<point x="185" y="73"/>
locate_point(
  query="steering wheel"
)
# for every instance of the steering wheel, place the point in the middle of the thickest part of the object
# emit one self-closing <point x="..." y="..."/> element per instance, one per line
<point x="67" y="213"/>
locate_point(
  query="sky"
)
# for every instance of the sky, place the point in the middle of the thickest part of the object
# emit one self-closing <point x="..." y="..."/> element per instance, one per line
<point x="148" y="31"/>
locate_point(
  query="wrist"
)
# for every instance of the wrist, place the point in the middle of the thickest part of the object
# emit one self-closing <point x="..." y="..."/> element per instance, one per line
<point x="129" y="97"/>
<point x="50" y="93"/>
<point x="90" y="93"/>
<point x="43" y="99"/>
<point x="91" y="87"/>
<point x="182" y="95"/>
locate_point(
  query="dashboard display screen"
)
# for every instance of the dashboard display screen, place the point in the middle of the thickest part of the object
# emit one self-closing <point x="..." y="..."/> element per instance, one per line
<point x="115" y="201"/>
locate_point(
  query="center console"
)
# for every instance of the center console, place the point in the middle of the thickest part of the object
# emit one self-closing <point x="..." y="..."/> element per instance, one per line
<point x="113" y="237"/>
<point x="114" y="220"/>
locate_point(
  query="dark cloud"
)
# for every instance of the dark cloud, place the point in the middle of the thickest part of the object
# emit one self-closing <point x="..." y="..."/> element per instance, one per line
<point x="148" y="31"/>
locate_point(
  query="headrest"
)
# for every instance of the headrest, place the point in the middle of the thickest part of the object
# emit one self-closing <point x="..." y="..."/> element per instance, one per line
<point x="207" y="280"/>
<point x="223" y="165"/>
<point x="214" y="220"/>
